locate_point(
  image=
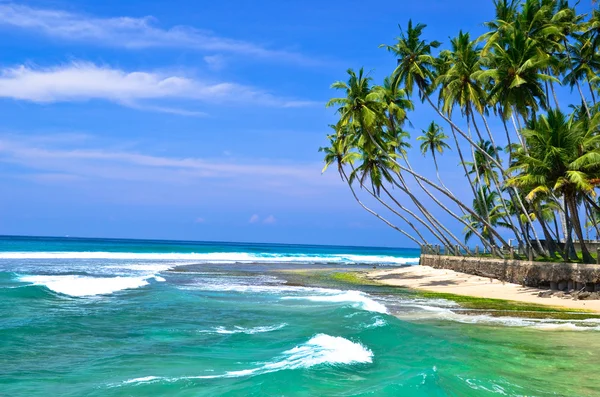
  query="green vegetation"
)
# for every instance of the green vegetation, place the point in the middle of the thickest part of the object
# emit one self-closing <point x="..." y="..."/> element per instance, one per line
<point x="532" y="163"/>
<point x="500" y="307"/>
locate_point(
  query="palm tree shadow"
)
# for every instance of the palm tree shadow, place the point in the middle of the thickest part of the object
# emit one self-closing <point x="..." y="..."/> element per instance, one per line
<point x="440" y="283"/>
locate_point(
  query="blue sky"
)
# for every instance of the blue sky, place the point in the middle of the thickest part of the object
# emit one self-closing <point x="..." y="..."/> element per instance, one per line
<point x="192" y="120"/>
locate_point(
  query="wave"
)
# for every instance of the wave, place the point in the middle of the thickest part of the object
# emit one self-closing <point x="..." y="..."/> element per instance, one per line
<point x="242" y="330"/>
<point x="80" y="286"/>
<point x="358" y="299"/>
<point x="220" y="257"/>
<point x="321" y="349"/>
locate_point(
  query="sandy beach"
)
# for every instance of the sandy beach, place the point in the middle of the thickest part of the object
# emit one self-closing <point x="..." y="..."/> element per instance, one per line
<point x="448" y="281"/>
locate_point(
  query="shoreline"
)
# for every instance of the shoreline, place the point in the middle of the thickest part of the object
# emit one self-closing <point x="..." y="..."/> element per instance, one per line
<point x="428" y="279"/>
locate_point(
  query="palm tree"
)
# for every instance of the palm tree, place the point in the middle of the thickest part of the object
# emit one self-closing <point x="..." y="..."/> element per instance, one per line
<point x="480" y="167"/>
<point x="415" y="62"/>
<point x="562" y="159"/>
<point x="486" y="203"/>
<point x="584" y="63"/>
<point x="433" y="140"/>
<point x="514" y="68"/>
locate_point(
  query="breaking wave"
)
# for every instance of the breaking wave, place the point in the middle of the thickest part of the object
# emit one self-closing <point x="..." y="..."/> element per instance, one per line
<point x="357" y="299"/>
<point x="78" y="286"/>
<point x="321" y="349"/>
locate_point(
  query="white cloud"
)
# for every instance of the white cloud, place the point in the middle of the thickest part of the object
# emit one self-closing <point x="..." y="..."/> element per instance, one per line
<point x="270" y="220"/>
<point x="85" y="81"/>
<point x="130" y="32"/>
<point x="254" y="218"/>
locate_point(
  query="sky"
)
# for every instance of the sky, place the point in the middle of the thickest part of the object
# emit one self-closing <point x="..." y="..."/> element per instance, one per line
<point x="193" y="120"/>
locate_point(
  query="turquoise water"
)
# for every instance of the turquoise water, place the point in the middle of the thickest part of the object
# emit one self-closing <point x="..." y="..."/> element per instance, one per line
<point x="146" y="318"/>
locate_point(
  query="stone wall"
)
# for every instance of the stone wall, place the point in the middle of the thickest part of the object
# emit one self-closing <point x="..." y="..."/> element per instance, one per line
<point x="559" y="276"/>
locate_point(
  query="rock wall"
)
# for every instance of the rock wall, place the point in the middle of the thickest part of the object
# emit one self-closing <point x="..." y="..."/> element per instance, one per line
<point x="558" y="276"/>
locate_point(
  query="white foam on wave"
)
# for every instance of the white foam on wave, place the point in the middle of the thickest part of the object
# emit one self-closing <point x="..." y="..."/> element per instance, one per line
<point x="379" y="322"/>
<point x="242" y="330"/>
<point x="358" y="299"/>
<point x="218" y="257"/>
<point x="79" y="286"/>
<point x="321" y="349"/>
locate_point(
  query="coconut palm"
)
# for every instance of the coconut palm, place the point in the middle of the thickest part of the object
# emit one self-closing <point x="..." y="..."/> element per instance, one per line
<point x="486" y="203"/>
<point x="514" y="68"/>
<point x="433" y="140"/>
<point x="561" y="159"/>
<point x="415" y="63"/>
<point x="584" y="64"/>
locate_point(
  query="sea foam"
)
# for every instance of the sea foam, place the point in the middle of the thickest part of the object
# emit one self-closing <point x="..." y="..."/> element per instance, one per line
<point x="357" y="299"/>
<point x="78" y="286"/>
<point x="321" y="349"/>
<point x="218" y="257"/>
<point x="242" y="330"/>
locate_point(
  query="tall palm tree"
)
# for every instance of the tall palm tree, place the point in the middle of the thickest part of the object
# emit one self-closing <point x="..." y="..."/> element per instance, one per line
<point x="584" y="64"/>
<point x="561" y="159"/>
<point x="514" y="68"/>
<point x="415" y="63"/>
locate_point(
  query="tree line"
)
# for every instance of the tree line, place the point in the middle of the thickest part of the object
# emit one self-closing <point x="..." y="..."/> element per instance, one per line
<point x="531" y="163"/>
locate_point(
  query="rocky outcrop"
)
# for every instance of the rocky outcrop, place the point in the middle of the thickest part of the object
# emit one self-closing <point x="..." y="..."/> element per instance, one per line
<point x="556" y="276"/>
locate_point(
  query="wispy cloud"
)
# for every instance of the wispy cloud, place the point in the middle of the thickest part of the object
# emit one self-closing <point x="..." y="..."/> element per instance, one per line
<point x="53" y="163"/>
<point x="270" y="220"/>
<point x="130" y="32"/>
<point x="82" y="81"/>
<point x="254" y="218"/>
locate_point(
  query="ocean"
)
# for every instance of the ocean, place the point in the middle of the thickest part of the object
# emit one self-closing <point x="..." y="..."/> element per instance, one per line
<point x="109" y="317"/>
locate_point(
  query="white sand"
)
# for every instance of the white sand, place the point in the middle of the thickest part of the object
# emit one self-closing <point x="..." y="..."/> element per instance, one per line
<point x="440" y="280"/>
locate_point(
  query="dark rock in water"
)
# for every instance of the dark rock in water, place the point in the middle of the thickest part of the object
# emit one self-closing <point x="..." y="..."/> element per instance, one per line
<point x="545" y="294"/>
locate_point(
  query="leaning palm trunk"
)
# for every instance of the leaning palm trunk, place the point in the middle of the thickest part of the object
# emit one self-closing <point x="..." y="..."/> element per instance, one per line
<point x="485" y="154"/>
<point x="508" y="219"/>
<point x="420" y="178"/>
<point x="345" y="177"/>
<point x="591" y="92"/>
<point x="583" y="101"/>
<point x="572" y="203"/>
<point x="437" y="173"/>
<point x="436" y="233"/>
<point x="480" y="195"/>
<point x="463" y="164"/>
<point x="444" y="192"/>
<point x="550" y="244"/>
<point x="435" y="223"/>
<point x="517" y="130"/>
<point x="409" y="223"/>
<point x="554" y="95"/>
